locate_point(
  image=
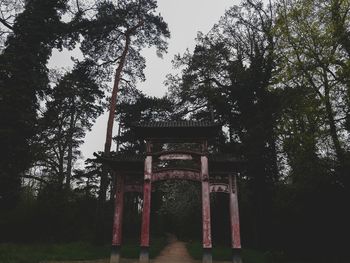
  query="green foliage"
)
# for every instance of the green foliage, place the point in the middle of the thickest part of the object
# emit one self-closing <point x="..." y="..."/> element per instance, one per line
<point x="180" y="207"/>
<point x="312" y="54"/>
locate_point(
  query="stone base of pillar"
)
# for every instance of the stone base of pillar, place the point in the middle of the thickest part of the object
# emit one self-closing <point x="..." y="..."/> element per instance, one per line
<point x="144" y="255"/>
<point x="115" y="254"/>
<point x="207" y="256"/>
<point x="237" y="255"/>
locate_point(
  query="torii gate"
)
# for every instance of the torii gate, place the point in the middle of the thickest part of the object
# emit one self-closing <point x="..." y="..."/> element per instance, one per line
<point x="129" y="175"/>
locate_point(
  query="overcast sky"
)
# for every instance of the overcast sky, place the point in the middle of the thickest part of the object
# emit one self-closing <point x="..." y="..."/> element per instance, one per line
<point x="185" y="18"/>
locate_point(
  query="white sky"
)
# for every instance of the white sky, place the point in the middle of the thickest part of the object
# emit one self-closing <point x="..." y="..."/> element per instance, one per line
<point x="185" y="18"/>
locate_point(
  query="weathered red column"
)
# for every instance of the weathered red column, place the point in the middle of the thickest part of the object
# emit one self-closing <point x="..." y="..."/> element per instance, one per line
<point x="234" y="215"/>
<point x="146" y="208"/>
<point x="206" y="222"/>
<point x="118" y="220"/>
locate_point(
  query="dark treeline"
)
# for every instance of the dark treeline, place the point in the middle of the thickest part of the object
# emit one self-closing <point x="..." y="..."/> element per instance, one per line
<point x="275" y="75"/>
<point x="45" y="114"/>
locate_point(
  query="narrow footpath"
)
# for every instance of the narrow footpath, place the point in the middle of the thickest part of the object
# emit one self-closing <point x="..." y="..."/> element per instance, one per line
<point x="174" y="252"/>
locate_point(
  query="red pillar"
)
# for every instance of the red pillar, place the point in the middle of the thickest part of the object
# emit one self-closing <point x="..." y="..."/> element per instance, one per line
<point x="118" y="220"/>
<point x="207" y="245"/>
<point x="234" y="216"/>
<point x="146" y="210"/>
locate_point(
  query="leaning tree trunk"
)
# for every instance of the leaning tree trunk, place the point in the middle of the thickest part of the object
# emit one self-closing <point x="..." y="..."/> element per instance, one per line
<point x="112" y="108"/>
<point x="108" y="143"/>
<point x="99" y="235"/>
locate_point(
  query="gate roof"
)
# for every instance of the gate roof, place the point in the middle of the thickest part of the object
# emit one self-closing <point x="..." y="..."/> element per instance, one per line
<point x="177" y="130"/>
<point x="134" y="164"/>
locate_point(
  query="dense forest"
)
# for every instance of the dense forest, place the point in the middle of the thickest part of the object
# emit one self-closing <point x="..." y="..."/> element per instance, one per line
<point x="275" y="74"/>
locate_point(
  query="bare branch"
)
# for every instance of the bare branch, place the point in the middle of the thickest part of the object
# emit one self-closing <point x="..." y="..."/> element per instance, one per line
<point x="109" y="62"/>
<point x="4" y="22"/>
<point x="27" y="176"/>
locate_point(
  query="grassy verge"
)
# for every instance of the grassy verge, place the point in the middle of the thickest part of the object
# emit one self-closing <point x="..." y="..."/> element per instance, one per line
<point x="222" y="253"/>
<point x="34" y="253"/>
<point x="129" y="250"/>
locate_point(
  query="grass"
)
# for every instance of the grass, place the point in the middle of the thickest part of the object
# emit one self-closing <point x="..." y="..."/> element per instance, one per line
<point x="129" y="250"/>
<point x="223" y="253"/>
<point x="34" y="253"/>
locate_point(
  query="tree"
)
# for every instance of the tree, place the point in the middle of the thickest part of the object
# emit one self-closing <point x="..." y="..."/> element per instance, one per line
<point x="87" y="179"/>
<point x="115" y="36"/>
<point x="229" y="73"/>
<point x="23" y="79"/>
<point x="136" y="107"/>
<point x="72" y="108"/>
<point x="313" y="54"/>
<point x="8" y="12"/>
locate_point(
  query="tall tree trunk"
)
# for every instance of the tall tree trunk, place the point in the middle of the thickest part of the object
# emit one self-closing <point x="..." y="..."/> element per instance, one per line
<point x="331" y="122"/>
<point x="108" y="143"/>
<point x="333" y="131"/>
<point x="61" y="169"/>
<point x="70" y="146"/>
<point x="112" y="106"/>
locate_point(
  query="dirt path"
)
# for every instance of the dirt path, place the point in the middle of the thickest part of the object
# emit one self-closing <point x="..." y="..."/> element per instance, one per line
<point x="174" y="252"/>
